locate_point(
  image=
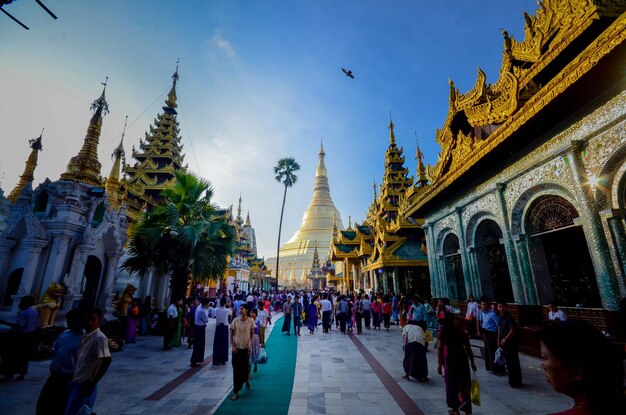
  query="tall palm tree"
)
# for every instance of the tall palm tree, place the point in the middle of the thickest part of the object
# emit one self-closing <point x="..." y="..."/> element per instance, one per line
<point x="284" y="172"/>
<point x="182" y="236"/>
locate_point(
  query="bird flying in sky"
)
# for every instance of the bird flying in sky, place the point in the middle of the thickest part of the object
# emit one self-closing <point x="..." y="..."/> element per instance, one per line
<point x="348" y="73"/>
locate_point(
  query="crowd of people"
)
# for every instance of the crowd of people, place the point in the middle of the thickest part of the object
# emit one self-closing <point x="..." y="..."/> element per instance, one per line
<point x="81" y="355"/>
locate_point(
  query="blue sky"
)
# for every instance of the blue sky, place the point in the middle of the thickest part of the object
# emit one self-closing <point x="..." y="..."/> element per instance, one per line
<point x="259" y="80"/>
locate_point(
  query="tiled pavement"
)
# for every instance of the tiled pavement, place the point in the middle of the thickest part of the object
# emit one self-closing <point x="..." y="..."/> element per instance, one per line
<point x="332" y="377"/>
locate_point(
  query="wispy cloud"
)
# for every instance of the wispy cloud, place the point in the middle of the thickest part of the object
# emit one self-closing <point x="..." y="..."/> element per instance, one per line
<point x="218" y="45"/>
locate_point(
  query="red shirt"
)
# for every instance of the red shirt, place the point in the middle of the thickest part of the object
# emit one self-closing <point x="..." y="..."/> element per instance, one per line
<point x="387" y="308"/>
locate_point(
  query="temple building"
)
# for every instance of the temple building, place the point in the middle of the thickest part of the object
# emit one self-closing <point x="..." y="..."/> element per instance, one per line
<point x="316" y="230"/>
<point x="62" y="241"/>
<point x="159" y="156"/>
<point x="246" y="271"/>
<point x="526" y="201"/>
<point x="386" y="252"/>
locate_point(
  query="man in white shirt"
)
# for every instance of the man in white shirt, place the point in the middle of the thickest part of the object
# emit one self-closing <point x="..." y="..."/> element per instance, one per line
<point x="554" y="313"/>
<point x="94" y="359"/>
<point x="327" y="308"/>
<point x="199" y="332"/>
<point x="367" y="311"/>
<point x="169" y="327"/>
<point x="262" y="316"/>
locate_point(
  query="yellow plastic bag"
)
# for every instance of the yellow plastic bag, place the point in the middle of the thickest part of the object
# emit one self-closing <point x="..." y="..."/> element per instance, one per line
<point x="428" y="336"/>
<point x="475" y="391"/>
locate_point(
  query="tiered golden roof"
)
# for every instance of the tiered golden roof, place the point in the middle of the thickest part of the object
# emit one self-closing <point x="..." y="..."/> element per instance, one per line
<point x="387" y="227"/>
<point x="29" y="169"/>
<point x="382" y="240"/>
<point x="158" y="157"/>
<point x="533" y="74"/>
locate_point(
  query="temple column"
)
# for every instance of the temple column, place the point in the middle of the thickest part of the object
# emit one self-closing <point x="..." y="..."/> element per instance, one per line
<point x="105" y="298"/>
<point x="5" y="251"/>
<point x="56" y="262"/>
<point x="443" y="285"/>
<point x="594" y="233"/>
<point x="75" y="277"/>
<point x="31" y="262"/>
<point x="375" y="278"/>
<point x="473" y="265"/>
<point x="615" y="221"/>
<point x="432" y="259"/>
<point x="396" y="282"/>
<point x="467" y="272"/>
<point x="519" y="291"/>
<point x="521" y="242"/>
<point x="385" y="282"/>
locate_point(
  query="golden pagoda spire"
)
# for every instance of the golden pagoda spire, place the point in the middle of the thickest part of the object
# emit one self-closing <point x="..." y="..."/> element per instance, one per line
<point x="29" y="170"/>
<point x="171" y="96"/>
<point x="335" y="228"/>
<point x="392" y="137"/>
<point x="248" y="223"/>
<point x="239" y="220"/>
<point x="374" y="187"/>
<point x="85" y="166"/>
<point x="349" y="221"/>
<point x="113" y="181"/>
<point x="321" y="167"/>
<point x="422" y="180"/>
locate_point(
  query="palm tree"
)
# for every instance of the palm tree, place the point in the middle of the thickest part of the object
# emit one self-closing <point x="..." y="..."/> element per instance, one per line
<point x="182" y="236"/>
<point x="284" y="172"/>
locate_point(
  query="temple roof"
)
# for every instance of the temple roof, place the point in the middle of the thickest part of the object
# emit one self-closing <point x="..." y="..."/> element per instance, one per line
<point x="563" y="41"/>
<point x="158" y="158"/>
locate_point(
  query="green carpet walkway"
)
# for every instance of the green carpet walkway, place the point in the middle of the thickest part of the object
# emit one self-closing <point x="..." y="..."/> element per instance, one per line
<point x="271" y="386"/>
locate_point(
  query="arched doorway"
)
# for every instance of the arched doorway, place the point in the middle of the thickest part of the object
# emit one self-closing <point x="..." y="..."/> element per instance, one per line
<point x="13" y="284"/>
<point x="91" y="281"/>
<point x="491" y="261"/>
<point x="559" y="254"/>
<point x="454" y="267"/>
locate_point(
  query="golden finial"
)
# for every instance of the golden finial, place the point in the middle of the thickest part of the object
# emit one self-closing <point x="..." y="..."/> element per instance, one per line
<point x="507" y="41"/>
<point x="29" y="170"/>
<point x="349" y="221"/>
<point x="175" y="76"/>
<point x="239" y="209"/>
<point x="392" y="137"/>
<point x="101" y="105"/>
<point x="375" y="194"/>
<point x="119" y="150"/>
<point x="112" y="186"/>
<point x="171" y="96"/>
<point x="421" y="169"/>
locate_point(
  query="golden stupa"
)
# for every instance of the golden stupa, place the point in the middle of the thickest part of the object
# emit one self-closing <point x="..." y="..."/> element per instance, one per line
<point x="316" y="229"/>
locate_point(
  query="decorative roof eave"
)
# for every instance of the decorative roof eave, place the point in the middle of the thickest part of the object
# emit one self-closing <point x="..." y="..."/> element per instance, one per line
<point x="394" y="262"/>
<point x="613" y="36"/>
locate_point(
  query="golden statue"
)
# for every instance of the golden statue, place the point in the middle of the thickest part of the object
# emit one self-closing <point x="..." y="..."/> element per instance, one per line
<point x="49" y="304"/>
<point x="121" y="305"/>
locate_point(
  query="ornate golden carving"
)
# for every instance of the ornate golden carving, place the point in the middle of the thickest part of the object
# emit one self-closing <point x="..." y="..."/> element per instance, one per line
<point x="610" y="38"/>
